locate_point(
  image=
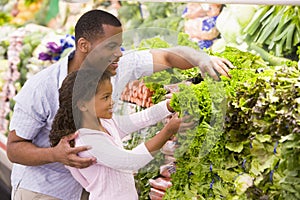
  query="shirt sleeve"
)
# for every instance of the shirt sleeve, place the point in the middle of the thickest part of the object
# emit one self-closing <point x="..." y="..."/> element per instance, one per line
<point x="30" y="113"/>
<point x="113" y="156"/>
<point x="136" y="121"/>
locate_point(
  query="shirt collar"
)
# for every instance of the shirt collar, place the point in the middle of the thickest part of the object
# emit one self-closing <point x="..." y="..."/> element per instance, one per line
<point x="64" y="67"/>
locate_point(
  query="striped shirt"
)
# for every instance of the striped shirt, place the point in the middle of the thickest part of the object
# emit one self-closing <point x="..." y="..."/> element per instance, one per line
<point x="34" y="111"/>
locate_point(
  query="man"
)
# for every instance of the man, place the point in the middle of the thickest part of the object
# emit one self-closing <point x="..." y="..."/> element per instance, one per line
<point x="39" y="171"/>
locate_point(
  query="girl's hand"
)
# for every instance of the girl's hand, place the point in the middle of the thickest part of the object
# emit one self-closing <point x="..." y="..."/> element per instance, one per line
<point x="178" y="125"/>
<point x="173" y="125"/>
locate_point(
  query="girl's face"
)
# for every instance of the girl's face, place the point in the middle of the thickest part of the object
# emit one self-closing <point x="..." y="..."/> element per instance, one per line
<point x="101" y="105"/>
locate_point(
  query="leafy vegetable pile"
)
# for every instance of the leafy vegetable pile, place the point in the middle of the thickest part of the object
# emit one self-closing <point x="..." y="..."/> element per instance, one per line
<point x="156" y="84"/>
<point x="246" y="145"/>
<point x="247" y="148"/>
<point x="156" y="81"/>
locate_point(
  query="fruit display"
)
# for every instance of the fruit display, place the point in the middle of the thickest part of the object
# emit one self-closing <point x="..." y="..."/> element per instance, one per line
<point x="24" y="12"/>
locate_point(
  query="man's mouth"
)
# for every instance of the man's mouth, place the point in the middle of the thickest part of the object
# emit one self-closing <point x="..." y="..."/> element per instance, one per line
<point x="114" y="64"/>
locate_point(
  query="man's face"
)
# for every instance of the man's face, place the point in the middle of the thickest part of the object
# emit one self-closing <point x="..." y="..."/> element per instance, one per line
<point x="107" y="49"/>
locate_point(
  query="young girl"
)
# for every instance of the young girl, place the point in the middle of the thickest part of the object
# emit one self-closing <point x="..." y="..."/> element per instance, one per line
<point x="86" y="104"/>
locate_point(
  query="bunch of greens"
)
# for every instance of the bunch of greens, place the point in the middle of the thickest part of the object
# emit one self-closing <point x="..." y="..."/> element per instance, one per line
<point x="164" y="15"/>
<point x="130" y="14"/>
<point x="156" y="81"/>
<point x="246" y="145"/>
<point x="148" y="19"/>
<point x="156" y="84"/>
<point x="276" y="29"/>
<point x="158" y="90"/>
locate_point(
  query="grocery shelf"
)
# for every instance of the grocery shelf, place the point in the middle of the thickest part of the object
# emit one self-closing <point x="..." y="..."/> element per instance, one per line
<point x="258" y="2"/>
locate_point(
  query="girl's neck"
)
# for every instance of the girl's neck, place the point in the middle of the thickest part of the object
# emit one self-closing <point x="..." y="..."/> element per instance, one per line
<point x="95" y="125"/>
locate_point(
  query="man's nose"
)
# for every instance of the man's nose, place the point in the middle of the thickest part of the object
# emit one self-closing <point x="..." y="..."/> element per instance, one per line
<point x="118" y="53"/>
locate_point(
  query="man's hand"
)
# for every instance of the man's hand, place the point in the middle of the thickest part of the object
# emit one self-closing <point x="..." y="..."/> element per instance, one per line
<point x="215" y="66"/>
<point x="183" y="57"/>
<point x="67" y="155"/>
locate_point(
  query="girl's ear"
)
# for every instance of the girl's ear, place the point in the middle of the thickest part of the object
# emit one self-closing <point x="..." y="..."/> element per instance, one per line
<point x="83" y="45"/>
<point x="81" y="106"/>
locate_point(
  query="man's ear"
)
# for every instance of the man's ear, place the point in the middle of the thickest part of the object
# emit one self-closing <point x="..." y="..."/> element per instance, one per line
<point x="83" y="45"/>
<point x="81" y="106"/>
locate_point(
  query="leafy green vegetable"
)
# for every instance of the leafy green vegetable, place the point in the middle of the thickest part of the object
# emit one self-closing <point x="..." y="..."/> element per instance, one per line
<point x="276" y="29"/>
<point x="246" y="145"/>
<point x="256" y="155"/>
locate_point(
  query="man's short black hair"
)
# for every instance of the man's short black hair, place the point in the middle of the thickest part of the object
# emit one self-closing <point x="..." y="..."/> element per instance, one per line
<point x="90" y="24"/>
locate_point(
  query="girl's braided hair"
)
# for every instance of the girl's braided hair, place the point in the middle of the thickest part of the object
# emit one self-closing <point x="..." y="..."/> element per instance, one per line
<point x="78" y="85"/>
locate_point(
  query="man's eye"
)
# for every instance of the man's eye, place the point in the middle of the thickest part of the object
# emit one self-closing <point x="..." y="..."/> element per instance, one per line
<point x="112" y="46"/>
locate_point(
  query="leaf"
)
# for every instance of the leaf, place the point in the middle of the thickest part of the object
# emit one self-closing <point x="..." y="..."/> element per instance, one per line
<point x="255" y="167"/>
<point x="270" y="163"/>
<point x="235" y="147"/>
<point x="263" y="138"/>
<point x="287" y="137"/>
<point x="226" y="175"/>
<point x="242" y="183"/>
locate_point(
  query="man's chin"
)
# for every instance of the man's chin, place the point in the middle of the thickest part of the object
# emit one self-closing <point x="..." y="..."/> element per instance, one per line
<point x="112" y="72"/>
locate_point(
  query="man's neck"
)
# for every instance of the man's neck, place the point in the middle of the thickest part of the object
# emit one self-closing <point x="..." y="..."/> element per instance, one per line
<point x="75" y="63"/>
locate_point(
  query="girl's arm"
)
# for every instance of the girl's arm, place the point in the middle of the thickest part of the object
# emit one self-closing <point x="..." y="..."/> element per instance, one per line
<point x="111" y="155"/>
<point x="136" y="121"/>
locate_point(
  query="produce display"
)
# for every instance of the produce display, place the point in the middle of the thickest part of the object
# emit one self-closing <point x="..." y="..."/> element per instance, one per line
<point x="246" y="142"/>
<point x="240" y="148"/>
<point x="11" y="75"/>
<point x="272" y="29"/>
<point x="150" y="19"/>
<point x="245" y="146"/>
<point x="138" y="93"/>
<point x="25" y="11"/>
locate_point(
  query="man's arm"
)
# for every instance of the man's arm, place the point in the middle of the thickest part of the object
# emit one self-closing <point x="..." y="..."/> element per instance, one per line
<point x="24" y="152"/>
<point x="184" y="57"/>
